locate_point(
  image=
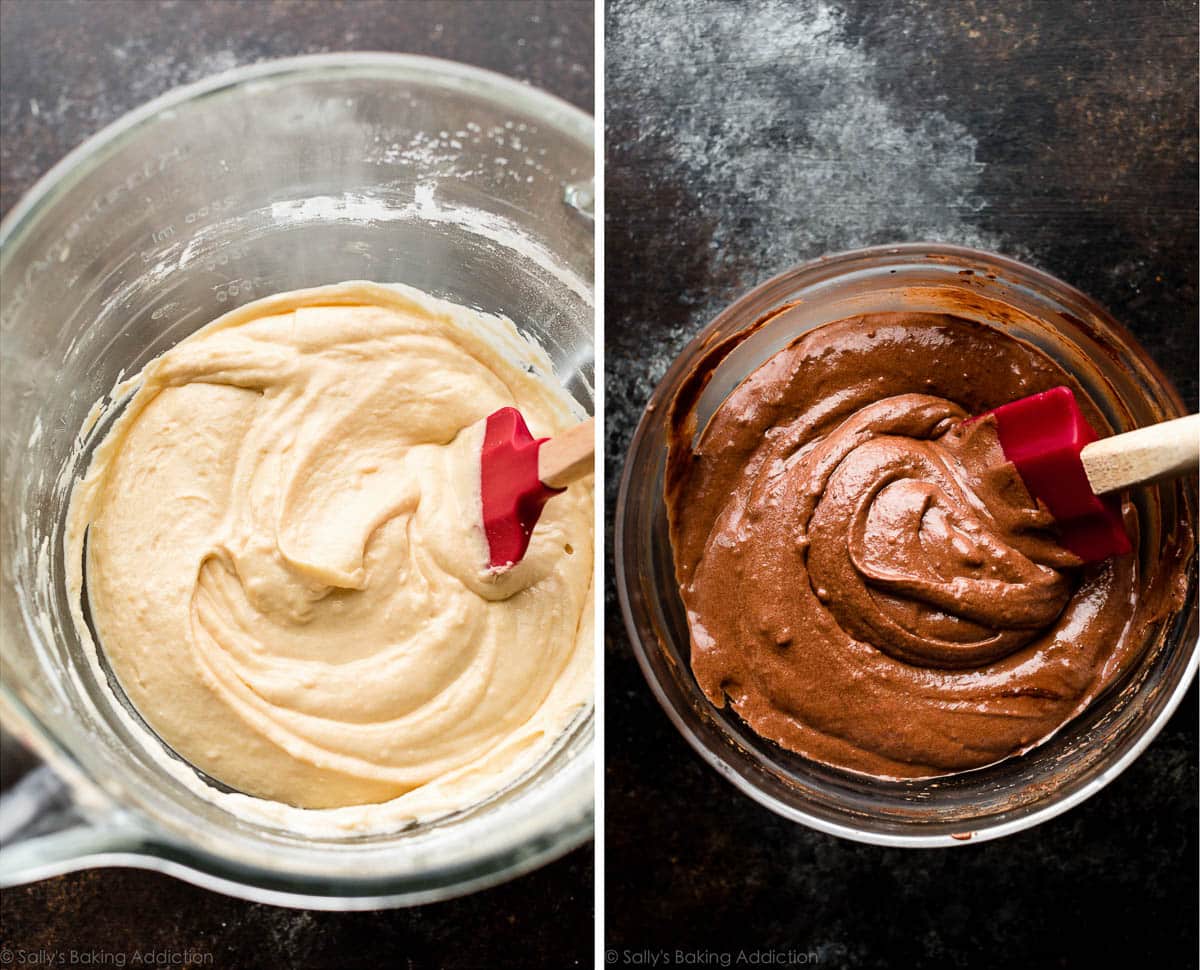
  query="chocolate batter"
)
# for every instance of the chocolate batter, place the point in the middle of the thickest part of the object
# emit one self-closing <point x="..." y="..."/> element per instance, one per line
<point x="866" y="579"/>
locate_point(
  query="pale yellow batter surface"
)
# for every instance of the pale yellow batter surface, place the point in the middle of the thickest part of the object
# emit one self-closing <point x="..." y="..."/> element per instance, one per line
<point x="286" y="567"/>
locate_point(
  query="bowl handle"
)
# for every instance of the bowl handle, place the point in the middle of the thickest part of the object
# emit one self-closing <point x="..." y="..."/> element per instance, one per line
<point x="49" y="826"/>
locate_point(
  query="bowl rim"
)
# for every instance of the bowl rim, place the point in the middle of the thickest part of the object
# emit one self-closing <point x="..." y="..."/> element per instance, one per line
<point x="655" y="404"/>
<point x="570" y="119"/>
<point x="132" y="845"/>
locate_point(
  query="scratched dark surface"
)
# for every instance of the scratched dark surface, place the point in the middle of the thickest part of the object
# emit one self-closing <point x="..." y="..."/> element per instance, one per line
<point x="746" y="138"/>
<point x="66" y="70"/>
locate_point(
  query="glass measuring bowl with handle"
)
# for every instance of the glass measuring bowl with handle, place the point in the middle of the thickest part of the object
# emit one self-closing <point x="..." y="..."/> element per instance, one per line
<point x="268" y="178"/>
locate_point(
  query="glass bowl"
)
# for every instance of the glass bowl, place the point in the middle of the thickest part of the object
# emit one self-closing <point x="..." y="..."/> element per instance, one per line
<point x="986" y="803"/>
<point x="284" y="175"/>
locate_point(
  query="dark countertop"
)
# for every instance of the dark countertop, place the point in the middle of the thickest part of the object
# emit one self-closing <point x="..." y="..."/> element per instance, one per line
<point x="66" y="70"/>
<point x="745" y="138"/>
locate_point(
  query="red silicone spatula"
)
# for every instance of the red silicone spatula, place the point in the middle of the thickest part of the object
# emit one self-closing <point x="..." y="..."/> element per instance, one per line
<point x="1077" y="474"/>
<point x="519" y="473"/>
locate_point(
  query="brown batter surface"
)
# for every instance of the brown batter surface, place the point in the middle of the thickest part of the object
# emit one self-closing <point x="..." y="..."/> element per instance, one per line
<point x="867" y="580"/>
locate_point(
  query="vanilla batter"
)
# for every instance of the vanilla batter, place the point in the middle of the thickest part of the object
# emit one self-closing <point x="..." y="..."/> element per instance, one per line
<point x="285" y="564"/>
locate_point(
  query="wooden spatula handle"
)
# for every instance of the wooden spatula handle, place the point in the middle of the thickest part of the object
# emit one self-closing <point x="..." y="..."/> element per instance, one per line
<point x="569" y="456"/>
<point x="1145" y="455"/>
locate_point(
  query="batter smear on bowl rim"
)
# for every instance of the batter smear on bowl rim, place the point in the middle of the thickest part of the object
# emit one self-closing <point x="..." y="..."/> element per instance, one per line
<point x="285" y="561"/>
<point x="867" y="581"/>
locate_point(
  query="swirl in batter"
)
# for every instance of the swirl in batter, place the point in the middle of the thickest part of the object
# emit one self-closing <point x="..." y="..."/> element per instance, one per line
<point x="286" y="567"/>
<point x="867" y="580"/>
